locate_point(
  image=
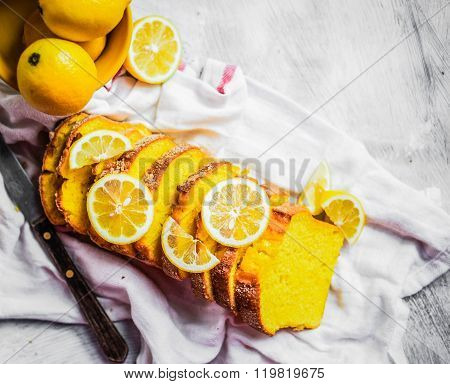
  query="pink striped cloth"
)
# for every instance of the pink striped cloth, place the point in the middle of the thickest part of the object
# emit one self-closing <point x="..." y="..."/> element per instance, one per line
<point x="403" y="247"/>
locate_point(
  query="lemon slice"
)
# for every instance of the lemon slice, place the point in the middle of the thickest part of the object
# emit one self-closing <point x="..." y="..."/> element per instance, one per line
<point x="346" y="212"/>
<point x="319" y="182"/>
<point x="182" y="249"/>
<point x="97" y="146"/>
<point x="155" y="50"/>
<point x="120" y="208"/>
<point x="236" y="212"/>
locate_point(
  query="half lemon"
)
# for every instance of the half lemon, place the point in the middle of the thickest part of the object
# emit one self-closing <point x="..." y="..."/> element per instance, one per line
<point x="183" y="250"/>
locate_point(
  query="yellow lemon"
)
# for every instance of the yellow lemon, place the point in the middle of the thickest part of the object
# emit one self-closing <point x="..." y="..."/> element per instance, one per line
<point x="94" y="47"/>
<point x="97" y="146"/>
<point x="346" y="212"/>
<point x="183" y="250"/>
<point x="56" y="76"/>
<point x="236" y="212"/>
<point x="35" y="29"/>
<point x="120" y="208"/>
<point x="155" y="50"/>
<point x="82" y="20"/>
<point x="318" y="183"/>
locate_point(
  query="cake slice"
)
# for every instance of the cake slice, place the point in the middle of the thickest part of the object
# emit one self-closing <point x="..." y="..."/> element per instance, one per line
<point x="162" y="179"/>
<point x="58" y="140"/>
<point x="284" y="283"/>
<point x="71" y="195"/>
<point x="91" y="123"/>
<point x="223" y="276"/>
<point x="71" y="199"/>
<point x="201" y="282"/>
<point x="49" y="183"/>
<point x="133" y="163"/>
<point x="49" y="180"/>
<point x="190" y="199"/>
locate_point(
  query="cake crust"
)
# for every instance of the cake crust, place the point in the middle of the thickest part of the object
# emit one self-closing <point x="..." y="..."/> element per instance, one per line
<point x="125" y="250"/>
<point x="124" y="162"/>
<point x="153" y="175"/>
<point x="201" y="282"/>
<point x="223" y="277"/>
<point x="201" y="287"/>
<point x="49" y="183"/>
<point x="203" y="172"/>
<point x="247" y="297"/>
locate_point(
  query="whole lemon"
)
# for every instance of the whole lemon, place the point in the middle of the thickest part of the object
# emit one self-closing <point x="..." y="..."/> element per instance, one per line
<point x="94" y="47"/>
<point x="82" y="20"/>
<point x="35" y="29"/>
<point x="56" y="76"/>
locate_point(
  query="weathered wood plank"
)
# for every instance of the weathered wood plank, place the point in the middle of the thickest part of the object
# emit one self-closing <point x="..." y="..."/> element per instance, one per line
<point x="429" y="321"/>
<point x="58" y="343"/>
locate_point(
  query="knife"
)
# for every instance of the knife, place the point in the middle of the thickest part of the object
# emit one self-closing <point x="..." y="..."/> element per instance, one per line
<point x="24" y="194"/>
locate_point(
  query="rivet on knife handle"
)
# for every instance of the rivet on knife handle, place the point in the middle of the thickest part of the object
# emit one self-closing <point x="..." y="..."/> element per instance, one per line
<point x="111" y="341"/>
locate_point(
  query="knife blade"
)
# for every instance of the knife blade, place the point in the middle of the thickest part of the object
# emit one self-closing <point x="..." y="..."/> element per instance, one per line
<point x="23" y="193"/>
<point x="19" y="186"/>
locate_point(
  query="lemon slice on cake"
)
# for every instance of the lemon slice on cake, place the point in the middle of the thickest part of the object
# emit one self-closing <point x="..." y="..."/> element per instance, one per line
<point x="120" y="208"/>
<point x="182" y="249"/>
<point x="319" y="182"/>
<point x="155" y="50"/>
<point x="97" y="146"/>
<point x="346" y="212"/>
<point x="236" y="212"/>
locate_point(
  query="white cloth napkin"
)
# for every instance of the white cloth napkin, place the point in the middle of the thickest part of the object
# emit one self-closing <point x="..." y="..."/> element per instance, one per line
<point x="402" y="249"/>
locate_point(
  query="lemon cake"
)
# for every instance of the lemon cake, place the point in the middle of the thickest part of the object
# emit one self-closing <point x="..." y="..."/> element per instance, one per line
<point x="71" y="195"/>
<point x="190" y="199"/>
<point x="284" y="282"/>
<point x="162" y="179"/>
<point x="281" y="280"/>
<point x="134" y="163"/>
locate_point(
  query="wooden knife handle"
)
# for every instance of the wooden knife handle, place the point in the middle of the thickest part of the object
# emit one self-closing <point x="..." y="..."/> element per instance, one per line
<point x="111" y="341"/>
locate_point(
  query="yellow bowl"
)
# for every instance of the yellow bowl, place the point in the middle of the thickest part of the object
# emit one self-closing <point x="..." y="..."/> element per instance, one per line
<point x="12" y="15"/>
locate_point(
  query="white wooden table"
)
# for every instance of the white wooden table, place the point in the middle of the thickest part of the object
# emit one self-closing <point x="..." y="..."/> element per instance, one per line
<point x="376" y="69"/>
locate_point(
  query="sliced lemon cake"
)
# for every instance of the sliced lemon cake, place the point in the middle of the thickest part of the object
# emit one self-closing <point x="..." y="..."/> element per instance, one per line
<point x="71" y="195"/>
<point x="133" y="163"/>
<point x="190" y="199"/>
<point x="284" y="283"/>
<point x="162" y="179"/>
